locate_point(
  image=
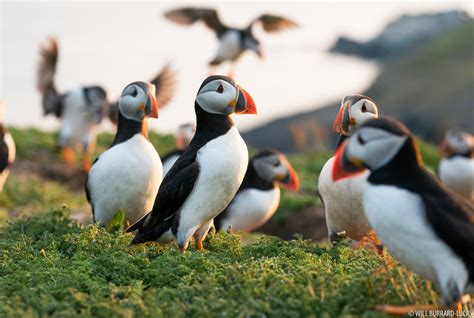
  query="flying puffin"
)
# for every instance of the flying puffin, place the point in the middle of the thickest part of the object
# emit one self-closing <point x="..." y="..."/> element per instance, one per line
<point x="184" y="135"/>
<point x="259" y="195"/>
<point x="456" y="169"/>
<point x="207" y="176"/>
<point x="232" y="41"/>
<point x="343" y="199"/>
<point x="7" y="151"/>
<point x="422" y="224"/>
<point x="127" y="175"/>
<point x="83" y="108"/>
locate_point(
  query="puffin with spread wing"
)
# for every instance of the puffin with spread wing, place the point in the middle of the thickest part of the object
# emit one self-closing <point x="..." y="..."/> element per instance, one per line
<point x="232" y="41"/>
<point x="82" y="109"/>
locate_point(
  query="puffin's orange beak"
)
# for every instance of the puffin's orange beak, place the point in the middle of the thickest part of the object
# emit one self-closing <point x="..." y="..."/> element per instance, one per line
<point x="342" y="167"/>
<point x="244" y="103"/>
<point x="291" y="182"/>
<point x="342" y="121"/>
<point x="152" y="105"/>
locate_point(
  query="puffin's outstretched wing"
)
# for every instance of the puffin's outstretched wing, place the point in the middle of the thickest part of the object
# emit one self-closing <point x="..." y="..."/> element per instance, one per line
<point x="187" y="16"/>
<point x="174" y="190"/>
<point x="274" y="23"/>
<point x="52" y="102"/>
<point x="165" y="84"/>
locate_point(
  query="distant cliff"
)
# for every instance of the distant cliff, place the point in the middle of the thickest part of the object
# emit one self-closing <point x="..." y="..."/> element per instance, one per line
<point x="405" y="33"/>
<point x="429" y="88"/>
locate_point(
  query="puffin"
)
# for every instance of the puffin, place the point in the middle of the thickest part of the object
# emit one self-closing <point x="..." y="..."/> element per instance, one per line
<point x="424" y="225"/>
<point x="258" y="197"/>
<point x="127" y="175"/>
<point x="343" y="199"/>
<point x="206" y="177"/>
<point x="83" y="108"/>
<point x="456" y="168"/>
<point x="7" y="151"/>
<point x="184" y="135"/>
<point x="232" y="41"/>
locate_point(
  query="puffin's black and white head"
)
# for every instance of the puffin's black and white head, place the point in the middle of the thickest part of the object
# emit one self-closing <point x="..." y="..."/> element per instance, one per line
<point x="138" y="101"/>
<point x="374" y="145"/>
<point x="220" y="95"/>
<point x="457" y="141"/>
<point x="184" y="135"/>
<point x="273" y="167"/>
<point x="355" y="110"/>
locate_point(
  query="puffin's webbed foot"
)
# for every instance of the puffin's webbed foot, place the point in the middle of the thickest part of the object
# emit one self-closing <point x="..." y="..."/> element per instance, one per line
<point x="67" y="154"/>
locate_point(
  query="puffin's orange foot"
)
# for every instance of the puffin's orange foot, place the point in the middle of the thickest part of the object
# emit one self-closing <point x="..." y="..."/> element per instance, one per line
<point x="199" y="246"/>
<point x="68" y="156"/>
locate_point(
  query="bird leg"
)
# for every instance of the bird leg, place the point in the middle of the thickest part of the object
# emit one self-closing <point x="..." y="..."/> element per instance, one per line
<point x="68" y="155"/>
<point x="199" y="245"/>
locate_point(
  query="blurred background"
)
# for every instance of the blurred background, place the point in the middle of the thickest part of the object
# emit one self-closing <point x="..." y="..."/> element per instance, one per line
<point x="416" y="59"/>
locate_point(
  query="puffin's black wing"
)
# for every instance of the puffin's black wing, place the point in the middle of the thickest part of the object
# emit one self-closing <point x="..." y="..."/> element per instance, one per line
<point x="174" y="190"/>
<point x="165" y="84"/>
<point x="452" y="218"/>
<point x="187" y="16"/>
<point x="3" y="150"/>
<point x="273" y="23"/>
<point x="52" y="101"/>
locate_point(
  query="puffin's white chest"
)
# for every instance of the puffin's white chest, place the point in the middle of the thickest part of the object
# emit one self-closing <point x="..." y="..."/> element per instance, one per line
<point x="252" y="208"/>
<point x="399" y="219"/>
<point x="127" y="176"/>
<point x="77" y="120"/>
<point x="230" y="46"/>
<point x="223" y="162"/>
<point x="168" y="163"/>
<point x="343" y="202"/>
<point x="457" y="174"/>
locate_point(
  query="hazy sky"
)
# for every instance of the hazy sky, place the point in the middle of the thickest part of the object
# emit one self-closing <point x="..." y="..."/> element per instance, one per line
<point x="114" y="43"/>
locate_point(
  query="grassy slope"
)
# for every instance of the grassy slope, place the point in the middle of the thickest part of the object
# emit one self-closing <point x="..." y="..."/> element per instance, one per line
<point x="50" y="265"/>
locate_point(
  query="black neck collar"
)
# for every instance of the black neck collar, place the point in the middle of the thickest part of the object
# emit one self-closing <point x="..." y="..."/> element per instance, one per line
<point x="211" y="124"/>
<point x="468" y="154"/>
<point x="402" y="168"/>
<point x="128" y="128"/>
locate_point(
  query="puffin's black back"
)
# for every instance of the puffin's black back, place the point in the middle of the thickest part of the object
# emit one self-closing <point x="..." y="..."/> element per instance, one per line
<point x="451" y="217"/>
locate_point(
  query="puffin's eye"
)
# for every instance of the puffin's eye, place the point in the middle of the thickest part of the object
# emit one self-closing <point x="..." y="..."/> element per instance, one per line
<point x="364" y="108"/>
<point x="220" y="89"/>
<point x="134" y="92"/>
<point x="276" y="163"/>
<point x="360" y="140"/>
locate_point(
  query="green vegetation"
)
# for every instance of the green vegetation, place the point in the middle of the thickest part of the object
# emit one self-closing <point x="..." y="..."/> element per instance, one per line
<point x="51" y="266"/>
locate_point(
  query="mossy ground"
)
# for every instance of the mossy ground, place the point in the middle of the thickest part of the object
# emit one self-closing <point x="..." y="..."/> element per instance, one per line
<point x="51" y="265"/>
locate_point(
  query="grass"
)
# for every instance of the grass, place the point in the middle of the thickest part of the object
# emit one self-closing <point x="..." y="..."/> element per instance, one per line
<point x="51" y="266"/>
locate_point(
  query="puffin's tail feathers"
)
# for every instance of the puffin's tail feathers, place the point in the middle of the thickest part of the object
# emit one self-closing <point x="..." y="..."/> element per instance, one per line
<point x="137" y="225"/>
<point x="47" y="65"/>
<point x="165" y="83"/>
